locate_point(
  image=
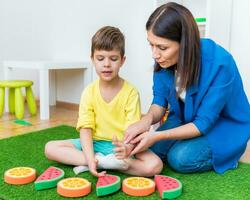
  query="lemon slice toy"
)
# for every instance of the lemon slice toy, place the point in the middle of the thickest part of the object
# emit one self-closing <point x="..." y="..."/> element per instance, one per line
<point x="73" y="187"/>
<point x="138" y="186"/>
<point x="20" y="175"/>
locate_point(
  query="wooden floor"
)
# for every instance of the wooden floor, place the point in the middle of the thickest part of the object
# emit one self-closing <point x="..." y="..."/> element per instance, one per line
<point x="58" y="116"/>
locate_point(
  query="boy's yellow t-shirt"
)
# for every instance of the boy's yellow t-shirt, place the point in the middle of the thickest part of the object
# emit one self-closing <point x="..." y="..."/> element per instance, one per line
<point x="108" y="119"/>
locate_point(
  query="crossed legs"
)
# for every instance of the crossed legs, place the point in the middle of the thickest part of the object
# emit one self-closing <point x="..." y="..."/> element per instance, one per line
<point x="63" y="151"/>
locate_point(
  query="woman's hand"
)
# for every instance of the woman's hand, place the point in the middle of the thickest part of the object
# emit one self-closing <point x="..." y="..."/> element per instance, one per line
<point x="122" y="150"/>
<point x="144" y="141"/>
<point x="93" y="168"/>
<point x="136" y="129"/>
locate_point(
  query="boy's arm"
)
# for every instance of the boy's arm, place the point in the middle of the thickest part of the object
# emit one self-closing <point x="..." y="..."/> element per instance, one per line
<point x="133" y="108"/>
<point x="88" y="150"/>
<point x="133" y="114"/>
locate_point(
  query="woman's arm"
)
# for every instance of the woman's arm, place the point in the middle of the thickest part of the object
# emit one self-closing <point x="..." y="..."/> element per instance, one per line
<point x="88" y="150"/>
<point x="147" y="139"/>
<point x="179" y="133"/>
<point x="153" y="116"/>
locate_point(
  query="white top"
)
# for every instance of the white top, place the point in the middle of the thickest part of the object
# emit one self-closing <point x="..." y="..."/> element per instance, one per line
<point x="183" y="93"/>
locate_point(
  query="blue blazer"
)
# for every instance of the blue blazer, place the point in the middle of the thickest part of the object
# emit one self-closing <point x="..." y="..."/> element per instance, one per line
<point x="217" y="104"/>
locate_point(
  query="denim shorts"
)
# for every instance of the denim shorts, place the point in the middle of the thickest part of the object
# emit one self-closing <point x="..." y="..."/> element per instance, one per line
<point x="100" y="146"/>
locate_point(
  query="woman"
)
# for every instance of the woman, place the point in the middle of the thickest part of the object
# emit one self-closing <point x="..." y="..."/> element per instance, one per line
<point x="208" y="124"/>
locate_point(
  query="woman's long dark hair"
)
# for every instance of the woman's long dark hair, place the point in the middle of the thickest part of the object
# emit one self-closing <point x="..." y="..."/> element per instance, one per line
<point x="175" y="22"/>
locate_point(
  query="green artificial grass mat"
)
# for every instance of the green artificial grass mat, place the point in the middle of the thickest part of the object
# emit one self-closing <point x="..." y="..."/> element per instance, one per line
<point x="28" y="150"/>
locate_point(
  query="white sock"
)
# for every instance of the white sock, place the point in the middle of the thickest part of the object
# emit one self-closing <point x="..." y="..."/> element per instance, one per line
<point x="104" y="162"/>
<point x="83" y="168"/>
<point x="110" y="162"/>
<point x="80" y="169"/>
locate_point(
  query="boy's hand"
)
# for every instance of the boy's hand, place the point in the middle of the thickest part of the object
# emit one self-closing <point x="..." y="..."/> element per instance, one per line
<point x="122" y="150"/>
<point x="93" y="169"/>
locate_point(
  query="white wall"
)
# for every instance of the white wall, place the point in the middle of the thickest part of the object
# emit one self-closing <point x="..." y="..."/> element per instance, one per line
<point x="26" y="29"/>
<point x="74" y="23"/>
<point x="25" y="34"/>
<point x="1" y="41"/>
<point x="228" y="25"/>
<point x="219" y="19"/>
<point x="62" y="29"/>
<point x="240" y="40"/>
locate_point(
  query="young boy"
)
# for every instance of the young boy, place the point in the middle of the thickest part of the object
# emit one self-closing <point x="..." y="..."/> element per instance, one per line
<point x="108" y="106"/>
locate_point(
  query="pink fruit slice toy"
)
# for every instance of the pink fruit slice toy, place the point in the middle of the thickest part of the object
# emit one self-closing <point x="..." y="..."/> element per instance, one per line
<point x="168" y="187"/>
<point x="49" y="178"/>
<point x="107" y="184"/>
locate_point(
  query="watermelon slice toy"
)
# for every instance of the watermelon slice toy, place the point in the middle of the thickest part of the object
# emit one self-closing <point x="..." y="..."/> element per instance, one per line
<point x="107" y="184"/>
<point x="49" y="178"/>
<point x="20" y="175"/>
<point x="168" y="187"/>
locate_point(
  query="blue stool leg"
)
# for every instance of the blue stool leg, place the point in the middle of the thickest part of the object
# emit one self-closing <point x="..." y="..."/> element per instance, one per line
<point x="2" y="96"/>
<point x="19" y="104"/>
<point x="11" y="100"/>
<point x="31" y="101"/>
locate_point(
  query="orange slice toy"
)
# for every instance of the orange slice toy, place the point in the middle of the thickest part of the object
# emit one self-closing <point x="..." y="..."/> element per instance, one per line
<point x="20" y="175"/>
<point x="138" y="186"/>
<point x="73" y="187"/>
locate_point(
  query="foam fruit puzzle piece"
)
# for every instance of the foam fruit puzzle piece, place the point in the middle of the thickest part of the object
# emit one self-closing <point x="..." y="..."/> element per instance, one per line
<point x="20" y="175"/>
<point x="138" y="186"/>
<point x="49" y="178"/>
<point x="73" y="187"/>
<point x="107" y="184"/>
<point x="168" y="187"/>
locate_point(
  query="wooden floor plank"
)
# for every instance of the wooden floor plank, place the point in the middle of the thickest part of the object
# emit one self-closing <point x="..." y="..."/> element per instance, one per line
<point x="58" y="116"/>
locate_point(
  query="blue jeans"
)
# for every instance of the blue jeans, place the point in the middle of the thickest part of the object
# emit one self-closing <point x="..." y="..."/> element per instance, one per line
<point x="184" y="156"/>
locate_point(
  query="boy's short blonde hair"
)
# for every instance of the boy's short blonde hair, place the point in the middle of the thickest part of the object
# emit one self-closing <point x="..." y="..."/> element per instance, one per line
<point x="108" y="38"/>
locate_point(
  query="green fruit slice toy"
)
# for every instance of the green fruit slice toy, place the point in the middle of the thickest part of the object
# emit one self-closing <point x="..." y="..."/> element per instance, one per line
<point x="49" y="178"/>
<point x="107" y="184"/>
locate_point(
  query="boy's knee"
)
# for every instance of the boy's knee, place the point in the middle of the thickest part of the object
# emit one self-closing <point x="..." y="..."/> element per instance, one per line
<point x="48" y="150"/>
<point x="154" y="168"/>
